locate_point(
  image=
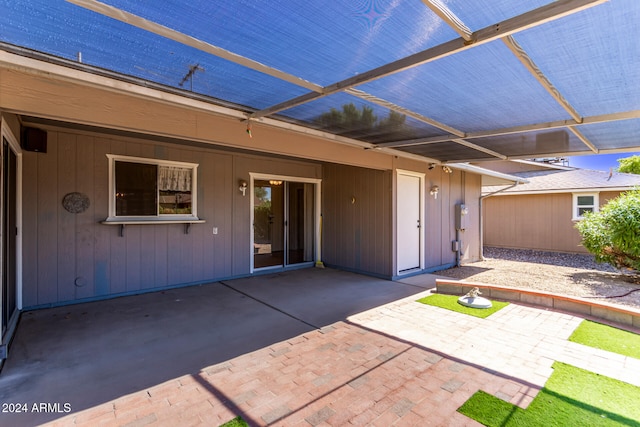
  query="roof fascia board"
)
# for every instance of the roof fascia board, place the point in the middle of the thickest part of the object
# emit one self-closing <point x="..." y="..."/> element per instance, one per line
<point x="82" y="74"/>
<point x="60" y="72"/>
<point x="405" y="155"/>
<point x="85" y="75"/>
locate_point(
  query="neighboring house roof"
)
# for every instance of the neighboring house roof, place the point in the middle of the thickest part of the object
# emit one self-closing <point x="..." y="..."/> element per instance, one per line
<point x="565" y="181"/>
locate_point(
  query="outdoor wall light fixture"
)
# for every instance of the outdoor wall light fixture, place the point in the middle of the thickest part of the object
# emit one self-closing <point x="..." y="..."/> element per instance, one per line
<point x="434" y="191"/>
<point x="243" y="186"/>
<point x="446" y="169"/>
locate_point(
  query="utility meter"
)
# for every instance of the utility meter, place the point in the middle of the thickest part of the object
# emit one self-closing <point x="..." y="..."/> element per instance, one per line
<point x="461" y="216"/>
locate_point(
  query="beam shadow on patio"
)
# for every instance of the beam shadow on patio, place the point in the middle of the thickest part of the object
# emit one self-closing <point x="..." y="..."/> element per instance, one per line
<point x="91" y="353"/>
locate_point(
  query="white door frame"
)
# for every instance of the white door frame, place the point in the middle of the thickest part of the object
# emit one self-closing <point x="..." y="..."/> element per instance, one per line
<point x="421" y="177"/>
<point x="316" y="216"/>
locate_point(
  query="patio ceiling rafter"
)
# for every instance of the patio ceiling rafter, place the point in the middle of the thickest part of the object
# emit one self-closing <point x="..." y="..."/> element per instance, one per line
<point x="87" y="74"/>
<point x="468" y="39"/>
<point x="479" y="148"/>
<point x="603" y="118"/>
<point x="161" y="30"/>
<point x="584" y="139"/>
<point x="530" y="65"/>
<point x="450" y="18"/>
<point x="542" y="15"/>
<point x="457" y="25"/>
<point x="503" y="31"/>
<point x="391" y="106"/>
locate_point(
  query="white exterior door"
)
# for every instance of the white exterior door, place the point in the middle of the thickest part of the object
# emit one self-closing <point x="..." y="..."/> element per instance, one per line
<point x="409" y="222"/>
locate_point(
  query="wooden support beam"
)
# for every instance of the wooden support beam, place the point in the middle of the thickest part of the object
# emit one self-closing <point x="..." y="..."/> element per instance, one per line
<point x="584" y="139"/>
<point x="449" y="17"/>
<point x="479" y="148"/>
<point x="603" y="118"/>
<point x="544" y="14"/>
<point x="402" y="110"/>
<point x="526" y="60"/>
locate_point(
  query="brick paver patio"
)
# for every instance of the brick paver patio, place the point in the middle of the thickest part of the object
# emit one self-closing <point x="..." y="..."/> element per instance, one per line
<point x="402" y="364"/>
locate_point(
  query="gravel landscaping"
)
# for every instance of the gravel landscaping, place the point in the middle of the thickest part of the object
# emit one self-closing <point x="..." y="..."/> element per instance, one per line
<point x="567" y="274"/>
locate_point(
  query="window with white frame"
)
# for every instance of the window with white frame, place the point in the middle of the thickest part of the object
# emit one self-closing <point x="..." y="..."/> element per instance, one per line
<point x="152" y="189"/>
<point x="584" y="203"/>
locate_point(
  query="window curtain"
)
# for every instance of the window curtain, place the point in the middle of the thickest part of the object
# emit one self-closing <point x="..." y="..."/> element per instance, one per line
<point x="174" y="179"/>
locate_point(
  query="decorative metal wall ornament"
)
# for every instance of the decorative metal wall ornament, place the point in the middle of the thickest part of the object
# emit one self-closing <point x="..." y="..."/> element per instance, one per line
<point x="76" y="202"/>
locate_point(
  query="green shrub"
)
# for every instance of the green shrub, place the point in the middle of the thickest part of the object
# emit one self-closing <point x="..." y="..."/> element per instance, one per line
<point x="629" y="165"/>
<point x="613" y="233"/>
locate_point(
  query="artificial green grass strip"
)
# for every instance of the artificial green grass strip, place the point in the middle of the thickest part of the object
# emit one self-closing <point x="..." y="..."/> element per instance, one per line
<point x="450" y="302"/>
<point x="607" y="338"/>
<point x="571" y="397"/>
<point x="488" y="409"/>
<point x="236" y="422"/>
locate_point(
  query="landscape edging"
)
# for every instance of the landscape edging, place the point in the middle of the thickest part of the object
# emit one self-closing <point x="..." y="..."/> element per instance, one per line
<point x="625" y="316"/>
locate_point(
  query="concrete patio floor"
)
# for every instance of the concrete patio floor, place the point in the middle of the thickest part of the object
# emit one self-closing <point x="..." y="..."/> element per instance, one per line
<point x="314" y="347"/>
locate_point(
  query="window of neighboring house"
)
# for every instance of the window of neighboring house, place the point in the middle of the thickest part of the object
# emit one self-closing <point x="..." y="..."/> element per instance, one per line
<point x="153" y="189"/>
<point x="584" y="203"/>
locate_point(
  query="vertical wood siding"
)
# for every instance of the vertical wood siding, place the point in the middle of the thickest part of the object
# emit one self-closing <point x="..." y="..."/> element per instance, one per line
<point x="70" y="257"/>
<point x="456" y="187"/>
<point x="539" y="222"/>
<point x="356" y="210"/>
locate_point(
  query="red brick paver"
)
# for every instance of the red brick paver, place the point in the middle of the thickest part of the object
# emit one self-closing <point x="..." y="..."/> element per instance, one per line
<point x="402" y="364"/>
<point x="347" y="375"/>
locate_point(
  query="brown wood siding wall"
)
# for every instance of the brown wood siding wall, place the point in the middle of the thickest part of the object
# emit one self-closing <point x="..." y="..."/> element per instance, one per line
<point x="71" y="257"/>
<point x="456" y="187"/>
<point x="539" y="222"/>
<point x="356" y="211"/>
<point x="471" y="237"/>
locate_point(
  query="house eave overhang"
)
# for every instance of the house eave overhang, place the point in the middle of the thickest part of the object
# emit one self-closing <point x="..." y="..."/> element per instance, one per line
<point x="562" y="191"/>
<point x="543" y="165"/>
<point x="489" y="177"/>
<point x="86" y="75"/>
